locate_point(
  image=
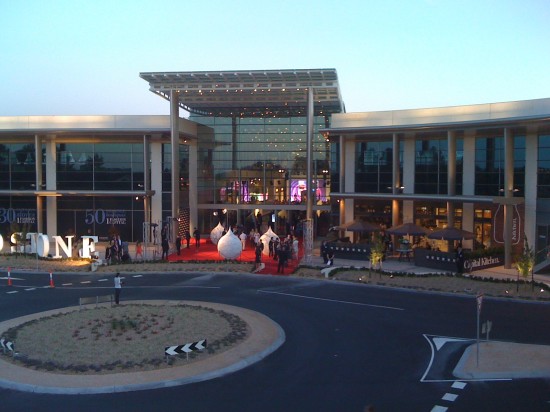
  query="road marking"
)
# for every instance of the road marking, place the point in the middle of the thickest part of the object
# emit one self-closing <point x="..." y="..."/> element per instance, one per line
<point x="30" y="289"/>
<point x="137" y="276"/>
<point x="102" y="280"/>
<point x="329" y="300"/>
<point x="86" y="281"/>
<point x="451" y="397"/>
<point x="459" y="385"/>
<point x="66" y="284"/>
<point x="436" y="345"/>
<point x="13" y="291"/>
<point x="438" y="408"/>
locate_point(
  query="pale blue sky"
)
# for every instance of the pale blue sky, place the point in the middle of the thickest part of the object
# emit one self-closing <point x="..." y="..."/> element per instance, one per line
<point x="84" y="57"/>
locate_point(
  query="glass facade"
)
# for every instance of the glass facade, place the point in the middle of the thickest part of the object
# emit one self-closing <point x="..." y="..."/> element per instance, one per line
<point x="543" y="166"/>
<point x="18" y="166"/>
<point x="431" y="157"/>
<point x="259" y="163"/>
<point x="374" y="170"/>
<point x="99" y="166"/>
<point x="489" y="169"/>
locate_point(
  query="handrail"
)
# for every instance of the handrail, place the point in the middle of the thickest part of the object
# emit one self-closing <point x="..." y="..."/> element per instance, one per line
<point x="542" y="254"/>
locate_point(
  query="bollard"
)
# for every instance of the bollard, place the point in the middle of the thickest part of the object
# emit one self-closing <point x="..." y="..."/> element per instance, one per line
<point x="9" y="277"/>
<point x="51" y="281"/>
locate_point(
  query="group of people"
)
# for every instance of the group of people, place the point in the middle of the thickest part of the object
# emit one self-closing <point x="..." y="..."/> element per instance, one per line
<point x="280" y="250"/>
<point x="117" y="250"/>
<point x="178" y="243"/>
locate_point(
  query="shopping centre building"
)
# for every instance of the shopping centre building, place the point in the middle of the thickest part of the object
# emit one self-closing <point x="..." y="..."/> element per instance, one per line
<point x="254" y="145"/>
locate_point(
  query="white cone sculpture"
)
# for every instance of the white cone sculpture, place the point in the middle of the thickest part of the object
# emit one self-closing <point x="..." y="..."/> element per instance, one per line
<point x="265" y="238"/>
<point x="216" y="233"/>
<point x="230" y="246"/>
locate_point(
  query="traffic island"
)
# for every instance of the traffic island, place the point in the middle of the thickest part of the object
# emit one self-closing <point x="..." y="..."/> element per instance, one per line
<point x="117" y="350"/>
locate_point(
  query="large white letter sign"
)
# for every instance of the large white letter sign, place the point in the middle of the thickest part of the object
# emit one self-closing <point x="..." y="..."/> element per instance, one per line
<point x="68" y="249"/>
<point x="43" y="245"/>
<point x="88" y="247"/>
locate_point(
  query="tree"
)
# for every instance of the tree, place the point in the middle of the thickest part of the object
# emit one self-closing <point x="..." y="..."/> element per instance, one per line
<point x="525" y="262"/>
<point x="20" y="235"/>
<point x="376" y="254"/>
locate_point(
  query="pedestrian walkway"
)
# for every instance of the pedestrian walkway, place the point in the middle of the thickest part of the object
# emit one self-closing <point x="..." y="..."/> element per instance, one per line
<point x="393" y="265"/>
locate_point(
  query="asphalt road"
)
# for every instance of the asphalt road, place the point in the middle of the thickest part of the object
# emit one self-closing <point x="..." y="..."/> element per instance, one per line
<point x="346" y="346"/>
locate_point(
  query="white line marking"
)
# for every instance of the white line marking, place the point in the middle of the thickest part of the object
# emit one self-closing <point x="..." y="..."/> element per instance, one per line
<point x="451" y="397"/>
<point x="13" y="291"/>
<point x="86" y="281"/>
<point x="438" y="408"/>
<point x="329" y="300"/>
<point x="102" y="280"/>
<point x="137" y="276"/>
<point x="423" y="378"/>
<point x="30" y="289"/>
<point x="66" y="284"/>
<point x="459" y="385"/>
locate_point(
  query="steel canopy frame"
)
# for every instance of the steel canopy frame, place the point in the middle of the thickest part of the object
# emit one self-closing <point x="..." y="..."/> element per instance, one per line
<point x="260" y="93"/>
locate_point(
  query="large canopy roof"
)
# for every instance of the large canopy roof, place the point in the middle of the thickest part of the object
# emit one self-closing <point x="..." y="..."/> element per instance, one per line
<point x="264" y="93"/>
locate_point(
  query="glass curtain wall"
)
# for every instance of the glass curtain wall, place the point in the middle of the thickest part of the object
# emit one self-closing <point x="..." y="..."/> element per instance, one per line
<point x="18" y="173"/>
<point x="374" y="160"/>
<point x="489" y="178"/>
<point x="431" y="157"/>
<point x="543" y="169"/>
<point x="258" y="163"/>
<point x="17" y="166"/>
<point x="100" y="166"/>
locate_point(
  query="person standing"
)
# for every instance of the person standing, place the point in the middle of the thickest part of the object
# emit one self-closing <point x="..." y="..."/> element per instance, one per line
<point x="243" y="236"/>
<point x="459" y="259"/>
<point x="187" y="238"/>
<point x="139" y="250"/>
<point x="178" y="245"/>
<point x="283" y="251"/>
<point x="258" y="253"/>
<point x="118" y="287"/>
<point x="197" y="236"/>
<point x="165" y="249"/>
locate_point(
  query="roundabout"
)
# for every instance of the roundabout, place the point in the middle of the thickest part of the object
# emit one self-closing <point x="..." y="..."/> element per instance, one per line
<point x="263" y="336"/>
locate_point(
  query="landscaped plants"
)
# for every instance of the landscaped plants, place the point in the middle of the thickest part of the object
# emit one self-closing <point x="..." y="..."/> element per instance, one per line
<point x="124" y="338"/>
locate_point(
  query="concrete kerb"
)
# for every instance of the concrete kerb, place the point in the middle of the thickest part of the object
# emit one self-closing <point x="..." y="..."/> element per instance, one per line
<point x="266" y="336"/>
<point x="503" y="360"/>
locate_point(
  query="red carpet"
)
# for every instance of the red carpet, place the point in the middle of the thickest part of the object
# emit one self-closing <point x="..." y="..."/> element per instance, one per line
<point x="209" y="252"/>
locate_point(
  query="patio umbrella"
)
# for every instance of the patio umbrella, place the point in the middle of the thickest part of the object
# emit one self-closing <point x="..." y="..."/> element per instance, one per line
<point x="358" y="226"/>
<point x="451" y="233"/>
<point x="408" y="229"/>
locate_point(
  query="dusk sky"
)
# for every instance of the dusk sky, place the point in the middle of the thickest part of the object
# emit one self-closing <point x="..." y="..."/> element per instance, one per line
<point x="84" y="57"/>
